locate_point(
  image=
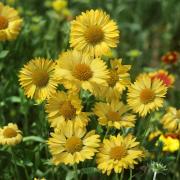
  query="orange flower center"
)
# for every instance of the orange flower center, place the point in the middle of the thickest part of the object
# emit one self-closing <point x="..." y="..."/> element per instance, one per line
<point x="9" y="133"/>
<point x="147" y="96"/>
<point x="67" y="110"/>
<point x="82" y="72"/>
<point x="40" y="78"/>
<point x="113" y="78"/>
<point x="113" y="116"/>
<point x="94" y="34"/>
<point x="3" y="22"/>
<point x="118" y="152"/>
<point x="73" y="144"/>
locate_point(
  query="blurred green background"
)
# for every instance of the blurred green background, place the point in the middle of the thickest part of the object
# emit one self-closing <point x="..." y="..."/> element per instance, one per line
<point x="148" y="29"/>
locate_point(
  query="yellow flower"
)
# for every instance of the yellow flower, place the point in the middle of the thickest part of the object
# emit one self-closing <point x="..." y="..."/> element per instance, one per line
<point x="10" y="135"/>
<point x="114" y="114"/>
<point x="164" y="76"/>
<point x="154" y="134"/>
<point x="171" y="120"/>
<point x="65" y="106"/>
<point x="146" y="95"/>
<point x="10" y="23"/>
<point x="77" y="70"/>
<point x="94" y="32"/>
<point x="118" y="81"/>
<point x="118" y="153"/>
<point x="71" y="144"/>
<point x="59" y="5"/>
<point x="37" y="78"/>
<point x="170" y="144"/>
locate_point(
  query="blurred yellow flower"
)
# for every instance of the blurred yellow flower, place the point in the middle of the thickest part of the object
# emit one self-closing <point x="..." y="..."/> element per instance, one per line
<point x="10" y="23"/>
<point x="170" y="144"/>
<point x="146" y="95"/>
<point x="78" y="70"/>
<point x="59" y="5"/>
<point x="118" y="153"/>
<point x="114" y="114"/>
<point x="94" y="32"/>
<point x="171" y="120"/>
<point x="37" y="78"/>
<point x="70" y="144"/>
<point x="10" y="135"/>
<point x="65" y="106"/>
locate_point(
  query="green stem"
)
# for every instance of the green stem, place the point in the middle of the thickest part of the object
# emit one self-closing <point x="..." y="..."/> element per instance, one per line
<point x="122" y="175"/>
<point x="130" y="174"/>
<point x="14" y="162"/>
<point x="107" y="132"/>
<point x="26" y="173"/>
<point x="116" y="176"/>
<point x="75" y="171"/>
<point x="154" y="176"/>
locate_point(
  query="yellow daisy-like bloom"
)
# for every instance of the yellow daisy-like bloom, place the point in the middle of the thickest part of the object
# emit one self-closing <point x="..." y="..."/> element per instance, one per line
<point x="146" y="95"/>
<point x="10" y="23"/>
<point x="118" y="81"/>
<point x="118" y="153"/>
<point x="71" y="144"/>
<point x="164" y="76"/>
<point x="169" y="144"/>
<point x="94" y="32"/>
<point x="77" y="70"/>
<point x="10" y="135"/>
<point x="114" y="114"/>
<point x="65" y="106"/>
<point x="37" y="78"/>
<point x="171" y="120"/>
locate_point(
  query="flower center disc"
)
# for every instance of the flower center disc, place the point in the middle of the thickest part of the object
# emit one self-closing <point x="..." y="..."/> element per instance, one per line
<point x="113" y="116"/>
<point x="67" y="110"/>
<point x="94" y="34"/>
<point x="113" y="78"/>
<point x="3" y="22"/>
<point x="82" y="72"/>
<point x="118" y="152"/>
<point x="73" y="144"/>
<point x="40" y="78"/>
<point x="147" y="96"/>
<point x="9" y="133"/>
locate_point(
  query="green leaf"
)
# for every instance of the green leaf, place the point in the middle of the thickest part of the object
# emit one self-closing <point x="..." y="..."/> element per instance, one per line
<point x="3" y="54"/>
<point x="89" y="170"/>
<point x="70" y="175"/>
<point x="33" y="138"/>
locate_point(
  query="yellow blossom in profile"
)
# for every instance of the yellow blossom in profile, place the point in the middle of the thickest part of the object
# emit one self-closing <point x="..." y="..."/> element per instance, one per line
<point x="146" y="95"/>
<point x="37" y="78"/>
<point x="154" y="135"/>
<point x="10" y="23"/>
<point x="119" y="80"/>
<point x="10" y="135"/>
<point x="118" y="153"/>
<point x="171" y="120"/>
<point x="170" y="144"/>
<point x="62" y="106"/>
<point x="114" y="114"/>
<point x="76" y="70"/>
<point x="71" y="143"/>
<point x="94" y="32"/>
